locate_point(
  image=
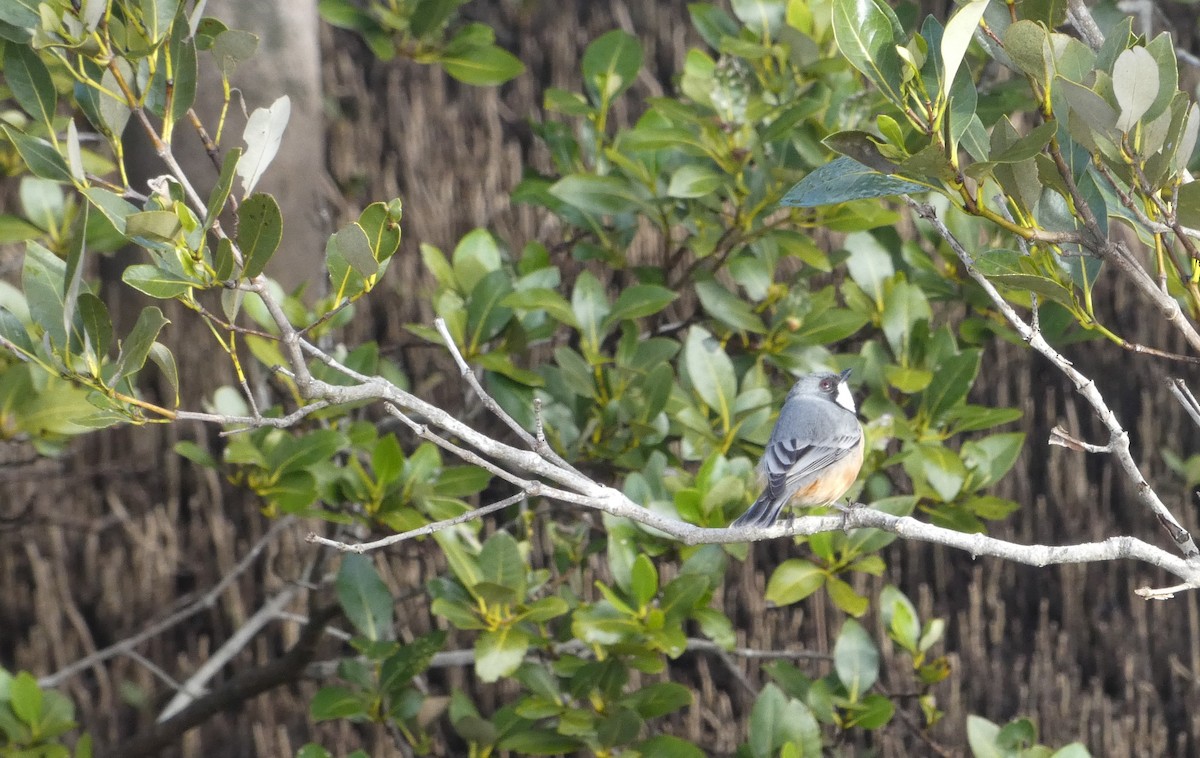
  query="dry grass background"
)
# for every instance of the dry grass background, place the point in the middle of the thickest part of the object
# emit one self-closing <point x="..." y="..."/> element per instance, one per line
<point x="96" y="545"/>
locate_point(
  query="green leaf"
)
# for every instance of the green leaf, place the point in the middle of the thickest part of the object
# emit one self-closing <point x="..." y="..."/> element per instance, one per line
<point x="981" y="736"/>
<point x="533" y="741"/>
<point x="610" y="64"/>
<point x="500" y="562"/>
<point x="954" y="377"/>
<point x="381" y="222"/>
<point x="1014" y="270"/>
<point x="462" y="481"/>
<point x="900" y="617"/>
<point x="498" y="653"/>
<point x="42" y="279"/>
<point x="220" y="191"/>
<point x="667" y="746"/>
<point x="636" y="302"/>
<point x="845" y="598"/>
<point x="114" y="207"/>
<point x="156" y="282"/>
<point x="482" y="66"/>
<point x="600" y="195"/>
<point x="763" y="17"/>
<point x="336" y="703"/>
<point x="25" y="698"/>
<point x="22" y="14"/>
<point x="793" y="580"/>
<point x="691" y="180"/>
<point x="262" y="135"/>
<point x="822" y="327"/>
<point x="230" y="47"/>
<point x="17" y="229"/>
<point x="1135" y="85"/>
<point x="364" y="597"/>
<point x="541" y="298"/>
<point x="713" y="23"/>
<point x="711" y="373"/>
<point x="39" y="155"/>
<point x="591" y="307"/>
<point x="475" y="256"/>
<point x="153" y="226"/>
<point x="960" y="29"/>
<point x="844" y="179"/>
<point x="727" y="307"/>
<point x="942" y="468"/>
<point x="991" y="457"/>
<point x="260" y="230"/>
<point x="411" y="659"/>
<point x="875" y="711"/>
<point x="485" y="316"/>
<point x="643" y="580"/>
<point x="136" y="347"/>
<point x="867" y="33"/>
<point x="903" y="308"/>
<point x="301" y="452"/>
<point x="659" y="699"/>
<point x="855" y="659"/>
<point x="545" y="609"/>
<point x="165" y="361"/>
<point x="29" y="80"/>
<point x="12" y="330"/>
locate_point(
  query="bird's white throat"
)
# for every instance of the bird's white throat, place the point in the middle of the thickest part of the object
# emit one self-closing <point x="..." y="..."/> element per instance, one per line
<point x="844" y="398"/>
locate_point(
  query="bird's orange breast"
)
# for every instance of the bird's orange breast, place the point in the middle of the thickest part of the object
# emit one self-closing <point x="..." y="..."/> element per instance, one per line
<point x="832" y="483"/>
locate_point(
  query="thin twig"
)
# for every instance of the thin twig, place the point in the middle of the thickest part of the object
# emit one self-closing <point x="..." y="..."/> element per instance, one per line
<point x="1185" y="397"/>
<point x="423" y="531"/>
<point x="538" y="446"/>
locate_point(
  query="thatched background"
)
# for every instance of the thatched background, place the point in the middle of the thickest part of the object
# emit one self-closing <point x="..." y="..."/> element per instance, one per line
<point x="95" y="546"/>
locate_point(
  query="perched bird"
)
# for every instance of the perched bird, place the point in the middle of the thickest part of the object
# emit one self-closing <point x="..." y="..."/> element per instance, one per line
<point x="815" y="450"/>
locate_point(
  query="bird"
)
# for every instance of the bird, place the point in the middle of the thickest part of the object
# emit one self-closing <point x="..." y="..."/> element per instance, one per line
<point x="815" y="450"/>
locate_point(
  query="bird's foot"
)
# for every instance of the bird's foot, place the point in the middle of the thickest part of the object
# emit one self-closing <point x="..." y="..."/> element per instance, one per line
<point x="846" y="509"/>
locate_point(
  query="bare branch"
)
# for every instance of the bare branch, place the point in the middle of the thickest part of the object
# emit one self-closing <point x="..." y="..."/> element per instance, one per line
<point x="194" y="687"/>
<point x="538" y="444"/>
<point x="1118" y="444"/>
<point x="203" y="602"/>
<point x="1185" y="397"/>
<point x="423" y="531"/>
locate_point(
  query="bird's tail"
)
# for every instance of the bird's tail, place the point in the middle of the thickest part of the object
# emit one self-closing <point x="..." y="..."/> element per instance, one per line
<point x="762" y="513"/>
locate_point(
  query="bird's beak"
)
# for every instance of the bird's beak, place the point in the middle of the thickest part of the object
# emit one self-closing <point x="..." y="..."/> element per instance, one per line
<point x="845" y="375"/>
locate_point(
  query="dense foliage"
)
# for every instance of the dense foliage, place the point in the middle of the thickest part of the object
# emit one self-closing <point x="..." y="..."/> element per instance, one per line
<point x="653" y="338"/>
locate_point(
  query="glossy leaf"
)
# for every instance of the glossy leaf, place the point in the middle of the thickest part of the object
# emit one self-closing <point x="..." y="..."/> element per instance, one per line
<point x="1135" y="85"/>
<point x="260" y="230"/>
<point x="842" y="180"/>
<point x="135" y="348"/>
<point x="365" y="598"/>
<point x="482" y="66"/>
<point x="29" y="81"/>
<point x="156" y="282"/>
<point x="711" y="373"/>
<point x="610" y="64"/>
<point x="867" y="33"/>
<point x="793" y="580"/>
<point x="855" y="659"/>
<point x="39" y="155"/>
<point x="960" y="29"/>
<point x="500" y="652"/>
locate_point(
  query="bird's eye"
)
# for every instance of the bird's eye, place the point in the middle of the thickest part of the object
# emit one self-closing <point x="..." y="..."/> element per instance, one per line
<point x="826" y="384"/>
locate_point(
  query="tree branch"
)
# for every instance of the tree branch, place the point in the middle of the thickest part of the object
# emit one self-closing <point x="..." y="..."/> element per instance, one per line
<point x="1118" y="444"/>
<point x="288" y="668"/>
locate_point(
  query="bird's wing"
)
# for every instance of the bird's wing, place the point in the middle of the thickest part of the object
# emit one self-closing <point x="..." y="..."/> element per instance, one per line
<point x="789" y="461"/>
